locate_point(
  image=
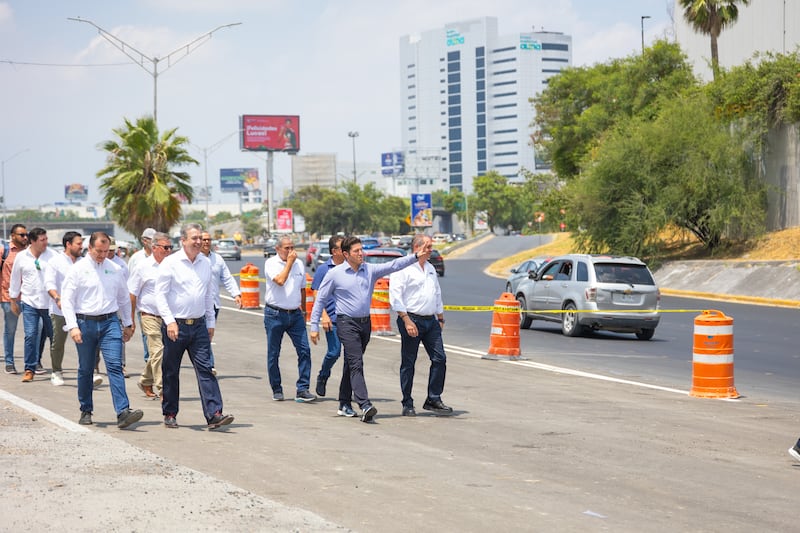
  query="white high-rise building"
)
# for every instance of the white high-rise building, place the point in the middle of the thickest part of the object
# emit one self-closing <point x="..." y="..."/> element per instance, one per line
<point x="465" y="102"/>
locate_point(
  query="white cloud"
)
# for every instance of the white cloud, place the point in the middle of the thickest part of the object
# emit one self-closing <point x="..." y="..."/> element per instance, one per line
<point x="6" y="13"/>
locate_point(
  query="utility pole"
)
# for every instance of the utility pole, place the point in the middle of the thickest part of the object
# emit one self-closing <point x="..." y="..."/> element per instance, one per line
<point x="353" y="135"/>
<point x="642" y="21"/>
<point x="3" y="174"/>
<point x="140" y="59"/>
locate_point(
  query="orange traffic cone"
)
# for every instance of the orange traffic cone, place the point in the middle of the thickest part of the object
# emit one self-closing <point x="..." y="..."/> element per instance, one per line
<point x="712" y="356"/>
<point x="504" y="339"/>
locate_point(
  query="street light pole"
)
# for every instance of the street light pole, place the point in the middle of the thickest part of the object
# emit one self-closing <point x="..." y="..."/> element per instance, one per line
<point x="353" y="135"/>
<point x="3" y="175"/>
<point x="139" y="58"/>
<point x="642" y="21"/>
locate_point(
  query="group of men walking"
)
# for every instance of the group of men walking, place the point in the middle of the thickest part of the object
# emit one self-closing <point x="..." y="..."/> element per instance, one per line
<point x="94" y="300"/>
<point x="344" y="286"/>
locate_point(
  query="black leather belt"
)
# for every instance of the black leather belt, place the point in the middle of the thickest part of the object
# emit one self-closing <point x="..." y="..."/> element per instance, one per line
<point x="281" y="308"/>
<point x="420" y="317"/>
<point x="143" y="313"/>
<point x="358" y="319"/>
<point x="190" y="321"/>
<point x="95" y="318"/>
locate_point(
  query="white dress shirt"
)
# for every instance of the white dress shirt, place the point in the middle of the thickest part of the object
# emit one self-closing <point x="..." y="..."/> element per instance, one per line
<point x="220" y="273"/>
<point x="135" y="259"/>
<point x="416" y="290"/>
<point x="92" y="288"/>
<point x="142" y="284"/>
<point x="288" y="295"/>
<point x="183" y="288"/>
<point x="57" y="270"/>
<point x="27" y="279"/>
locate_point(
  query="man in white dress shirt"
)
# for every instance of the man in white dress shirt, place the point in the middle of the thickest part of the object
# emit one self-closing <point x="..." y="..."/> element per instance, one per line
<point x="186" y="307"/>
<point x="94" y="299"/>
<point x="29" y="296"/>
<point x="415" y="295"/>
<point x="142" y="288"/>
<point x="220" y="274"/>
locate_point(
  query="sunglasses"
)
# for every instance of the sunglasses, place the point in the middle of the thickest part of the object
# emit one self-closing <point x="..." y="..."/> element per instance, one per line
<point x="21" y="234"/>
<point x="165" y="246"/>
<point x="36" y="262"/>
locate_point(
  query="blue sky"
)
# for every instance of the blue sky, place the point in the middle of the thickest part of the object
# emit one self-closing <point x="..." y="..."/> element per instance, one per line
<point x="288" y="57"/>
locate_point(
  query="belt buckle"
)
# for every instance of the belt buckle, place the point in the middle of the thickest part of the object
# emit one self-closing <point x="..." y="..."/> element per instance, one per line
<point x="189" y="321"/>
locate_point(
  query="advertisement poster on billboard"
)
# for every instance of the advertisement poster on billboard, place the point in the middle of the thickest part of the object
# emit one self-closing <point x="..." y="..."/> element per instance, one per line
<point x="238" y="179"/>
<point x="283" y="220"/>
<point x="269" y="133"/>
<point x="75" y="192"/>
<point x="481" y="221"/>
<point x="392" y="163"/>
<point x="421" y="210"/>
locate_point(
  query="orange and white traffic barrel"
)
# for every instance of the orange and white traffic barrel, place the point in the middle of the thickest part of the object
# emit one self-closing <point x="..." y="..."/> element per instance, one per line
<point x="248" y="284"/>
<point x="379" y="309"/>
<point x="712" y="356"/>
<point x="504" y="337"/>
<point x="310" y="296"/>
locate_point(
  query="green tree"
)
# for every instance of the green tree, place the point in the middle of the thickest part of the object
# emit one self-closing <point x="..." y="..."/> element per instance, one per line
<point x="496" y="197"/>
<point x="710" y="17"/>
<point x="141" y="186"/>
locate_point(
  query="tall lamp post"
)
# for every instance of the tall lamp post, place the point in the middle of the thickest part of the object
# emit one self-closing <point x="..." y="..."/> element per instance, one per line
<point x="353" y="135"/>
<point x="3" y="174"/>
<point x="642" y="21"/>
<point x="142" y="60"/>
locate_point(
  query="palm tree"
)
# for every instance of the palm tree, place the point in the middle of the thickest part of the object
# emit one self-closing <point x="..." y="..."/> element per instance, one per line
<point x="710" y="17"/>
<point x="141" y="188"/>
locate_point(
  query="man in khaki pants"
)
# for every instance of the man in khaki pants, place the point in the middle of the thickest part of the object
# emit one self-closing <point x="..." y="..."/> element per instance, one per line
<point x="141" y="285"/>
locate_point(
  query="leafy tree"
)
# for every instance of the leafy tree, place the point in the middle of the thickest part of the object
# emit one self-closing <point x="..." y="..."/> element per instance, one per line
<point x="496" y="197"/>
<point x="140" y="184"/>
<point x="710" y="17"/>
<point x="580" y="104"/>
<point x="392" y="213"/>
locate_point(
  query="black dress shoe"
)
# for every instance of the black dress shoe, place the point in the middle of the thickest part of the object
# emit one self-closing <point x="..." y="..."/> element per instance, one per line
<point x="170" y="421"/>
<point x="128" y="417"/>
<point x="409" y="411"/>
<point x="321" y="382"/>
<point x="438" y="407"/>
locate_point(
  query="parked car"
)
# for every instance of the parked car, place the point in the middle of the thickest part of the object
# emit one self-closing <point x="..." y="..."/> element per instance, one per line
<point x="321" y="256"/>
<point x="440" y="238"/>
<point x="228" y="249"/>
<point x="592" y="292"/>
<point x="381" y="255"/>
<point x="437" y="261"/>
<point x="269" y="250"/>
<point x="459" y="236"/>
<point x="405" y="242"/>
<point x="368" y="243"/>
<point x="522" y="270"/>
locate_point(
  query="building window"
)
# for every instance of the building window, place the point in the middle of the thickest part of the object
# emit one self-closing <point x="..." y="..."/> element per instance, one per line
<point x="412" y="75"/>
<point x="480" y="62"/>
<point x="481" y="108"/>
<point x="412" y="96"/>
<point x="551" y="70"/>
<point x="505" y="117"/>
<point x="454" y="88"/>
<point x="500" y="154"/>
<point x="506" y="165"/>
<point x="502" y="106"/>
<point x="455" y="167"/>
<point x="481" y="144"/>
<point x="555" y="59"/>
<point x="481" y="166"/>
<point x="454" y="122"/>
<point x="412" y="86"/>
<point x="412" y="128"/>
<point x="501" y="83"/>
<point x="498" y="143"/>
<point x="454" y="99"/>
<point x="454" y="77"/>
<point x="497" y="50"/>
<point x="555" y="46"/>
<point x="481" y="154"/>
<point x="480" y="73"/>
<point x="413" y="117"/>
<point x="509" y="71"/>
<point x="453" y="56"/>
<point x="455" y="110"/>
<point x="455" y="135"/>
<point x="500" y="95"/>
<point x="482" y="131"/>
<point x="509" y="60"/>
<point x="480" y="85"/>
<point x="411" y="65"/>
<point x="499" y="132"/>
<point x="456" y="157"/>
<point x="455" y="146"/>
<point x="412" y="107"/>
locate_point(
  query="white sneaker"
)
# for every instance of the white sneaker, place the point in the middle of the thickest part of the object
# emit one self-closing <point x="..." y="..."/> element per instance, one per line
<point x="57" y="379"/>
<point x="97" y="380"/>
<point x="213" y="371"/>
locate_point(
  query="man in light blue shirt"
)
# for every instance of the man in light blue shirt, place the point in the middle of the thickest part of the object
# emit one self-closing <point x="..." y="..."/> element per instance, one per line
<point x="351" y="285"/>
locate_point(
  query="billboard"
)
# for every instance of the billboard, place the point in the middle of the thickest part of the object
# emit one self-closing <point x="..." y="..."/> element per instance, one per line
<point x="269" y="133"/>
<point x="75" y="192"/>
<point x="238" y="179"/>
<point x="392" y="163"/>
<point x="283" y="220"/>
<point x="421" y="210"/>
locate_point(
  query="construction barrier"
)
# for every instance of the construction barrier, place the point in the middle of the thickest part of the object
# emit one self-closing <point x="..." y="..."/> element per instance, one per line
<point x="248" y="284"/>
<point x="310" y="296"/>
<point x="504" y="338"/>
<point x="379" y="310"/>
<point x="712" y="356"/>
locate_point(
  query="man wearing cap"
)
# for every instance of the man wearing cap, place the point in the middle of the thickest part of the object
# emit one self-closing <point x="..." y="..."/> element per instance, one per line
<point x="112" y="255"/>
<point x="186" y="307"/>
<point x="135" y="259"/>
<point x="94" y="299"/>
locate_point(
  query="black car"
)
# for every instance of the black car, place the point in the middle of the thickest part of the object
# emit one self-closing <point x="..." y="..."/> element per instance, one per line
<point x="269" y="251"/>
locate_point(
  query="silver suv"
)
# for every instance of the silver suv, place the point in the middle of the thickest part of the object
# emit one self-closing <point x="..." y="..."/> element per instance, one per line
<point x="591" y="292"/>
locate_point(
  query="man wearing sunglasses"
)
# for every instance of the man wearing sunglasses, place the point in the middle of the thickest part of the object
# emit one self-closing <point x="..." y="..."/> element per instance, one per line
<point x="220" y="274"/>
<point x="29" y="296"/>
<point x="18" y="242"/>
<point x="142" y="288"/>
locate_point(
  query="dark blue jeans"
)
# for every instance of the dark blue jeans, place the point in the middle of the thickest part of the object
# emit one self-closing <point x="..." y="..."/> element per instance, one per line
<point x="193" y="339"/>
<point x="429" y="333"/>
<point x="332" y="355"/>
<point x="354" y="334"/>
<point x="276" y="323"/>
<point x="37" y="326"/>
<point x="106" y="336"/>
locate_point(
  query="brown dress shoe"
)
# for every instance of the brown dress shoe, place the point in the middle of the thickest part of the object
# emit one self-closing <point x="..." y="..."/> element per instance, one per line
<point x="148" y="390"/>
<point x="28" y="377"/>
